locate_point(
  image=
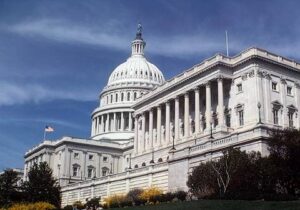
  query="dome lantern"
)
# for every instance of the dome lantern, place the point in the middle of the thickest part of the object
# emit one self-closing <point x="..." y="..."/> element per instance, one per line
<point x="138" y="45"/>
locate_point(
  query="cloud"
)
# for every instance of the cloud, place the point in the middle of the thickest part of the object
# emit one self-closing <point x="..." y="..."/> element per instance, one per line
<point x="45" y="121"/>
<point x="11" y="94"/>
<point x="63" y="31"/>
<point x="113" y="37"/>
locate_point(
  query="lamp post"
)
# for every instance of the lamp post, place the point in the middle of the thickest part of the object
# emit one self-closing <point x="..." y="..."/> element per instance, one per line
<point x="152" y="161"/>
<point x="211" y="130"/>
<point x="259" y="115"/>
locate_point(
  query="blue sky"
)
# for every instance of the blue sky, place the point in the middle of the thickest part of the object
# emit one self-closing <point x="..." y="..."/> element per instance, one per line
<point x="56" y="56"/>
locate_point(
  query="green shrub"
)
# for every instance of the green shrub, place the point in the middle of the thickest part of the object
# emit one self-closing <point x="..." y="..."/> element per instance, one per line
<point x="78" y="205"/>
<point x="169" y="196"/>
<point x="181" y="195"/>
<point x="134" y="194"/>
<point x="68" y="207"/>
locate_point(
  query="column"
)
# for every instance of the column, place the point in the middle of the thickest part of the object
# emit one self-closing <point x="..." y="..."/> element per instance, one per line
<point x="267" y="102"/>
<point x="220" y="102"/>
<point x="102" y="123"/>
<point x="107" y="123"/>
<point x="114" y="122"/>
<point x="143" y="143"/>
<point x="136" y="135"/>
<point x="186" y="115"/>
<point x="208" y="106"/>
<point x="297" y="102"/>
<point x="97" y="125"/>
<point x="122" y="121"/>
<point x="283" y="101"/>
<point x="167" y="122"/>
<point x="129" y="121"/>
<point x="176" y="118"/>
<point x="93" y="127"/>
<point x="151" y="128"/>
<point x="158" y="124"/>
<point x="197" y="110"/>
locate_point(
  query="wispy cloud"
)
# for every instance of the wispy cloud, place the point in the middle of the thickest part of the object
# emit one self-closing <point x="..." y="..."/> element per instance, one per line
<point x="23" y="93"/>
<point x="177" y="45"/>
<point x="111" y="36"/>
<point x="63" y="31"/>
<point x="45" y="121"/>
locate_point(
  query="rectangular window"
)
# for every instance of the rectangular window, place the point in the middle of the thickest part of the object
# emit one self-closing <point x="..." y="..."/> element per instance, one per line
<point x="104" y="172"/>
<point x="91" y="157"/>
<point x="76" y="155"/>
<point x="274" y="86"/>
<point x="289" y="90"/>
<point x="90" y="172"/>
<point x="239" y="88"/>
<point x="75" y="170"/>
<point x="228" y="124"/>
<point x="291" y="121"/>
<point x="241" y="117"/>
<point x="275" y="116"/>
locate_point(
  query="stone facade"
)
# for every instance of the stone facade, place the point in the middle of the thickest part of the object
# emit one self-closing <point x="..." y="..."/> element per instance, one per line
<point x="170" y="127"/>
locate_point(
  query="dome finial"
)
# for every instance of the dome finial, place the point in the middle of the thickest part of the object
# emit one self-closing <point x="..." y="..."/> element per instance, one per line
<point x="139" y="31"/>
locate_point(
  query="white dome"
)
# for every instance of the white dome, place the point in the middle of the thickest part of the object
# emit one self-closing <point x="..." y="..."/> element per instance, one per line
<point x="113" y="119"/>
<point x="136" y="70"/>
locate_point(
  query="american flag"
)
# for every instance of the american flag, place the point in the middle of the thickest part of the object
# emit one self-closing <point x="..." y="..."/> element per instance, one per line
<point x="48" y="129"/>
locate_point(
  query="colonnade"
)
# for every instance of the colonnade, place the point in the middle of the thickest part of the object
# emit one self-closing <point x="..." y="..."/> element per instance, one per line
<point x="111" y="122"/>
<point x="179" y="118"/>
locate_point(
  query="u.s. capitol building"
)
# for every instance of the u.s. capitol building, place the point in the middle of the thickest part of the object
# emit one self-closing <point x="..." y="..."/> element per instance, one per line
<point x="151" y="132"/>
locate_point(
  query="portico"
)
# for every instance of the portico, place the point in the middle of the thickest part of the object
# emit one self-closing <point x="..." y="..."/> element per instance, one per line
<point x="192" y="112"/>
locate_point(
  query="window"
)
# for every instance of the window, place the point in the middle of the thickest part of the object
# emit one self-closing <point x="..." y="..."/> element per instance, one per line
<point x="274" y="86"/>
<point x="122" y="97"/>
<point x="75" y="170"/>
<point x="76" y="155"/>
<point x="291" y="116"/>
<point x="105" y="171"/>
<point x="111" y="98"/>
<point x="90" y="172"/>
<point x="239" y="87"/>
<point x="289" y="90"/>
<point x="227" y="119"/>
<point x="105" y="159"/>
<point x="275" y="116"/>
<point x="134" y="96"/>
<point x="128" y="96"/>
<point x="241" y="117"/>
<point x="91" y="157"/>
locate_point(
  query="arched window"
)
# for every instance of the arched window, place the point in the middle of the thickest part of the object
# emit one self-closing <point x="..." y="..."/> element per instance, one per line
<point x="143" y="164"/>
<point x="111" y="98"/>
<point x="136" y="166"/>
<point x="106" y="99"/>
<point x="134" y="96"/>
<point x="122" y="97"/>
<point x="128" y="96"/>
<point x="116" y="97"/>
<point x="160" y="160"/>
